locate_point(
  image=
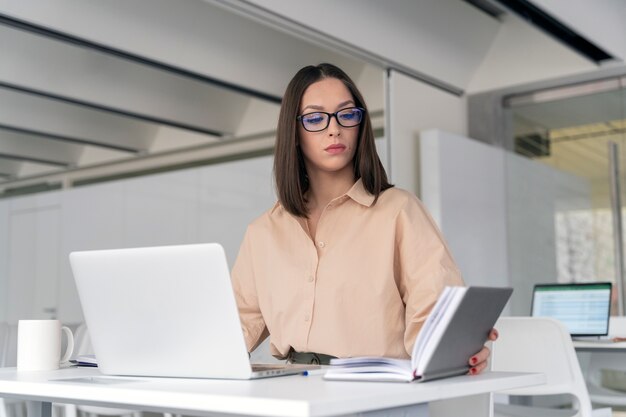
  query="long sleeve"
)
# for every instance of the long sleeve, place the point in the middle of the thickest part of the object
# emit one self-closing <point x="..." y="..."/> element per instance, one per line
<point x="424" y="265"/>
<point x="244" y="286"/>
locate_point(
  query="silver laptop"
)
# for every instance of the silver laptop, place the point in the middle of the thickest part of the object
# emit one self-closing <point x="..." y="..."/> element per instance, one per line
<point x="165" y="311"/>
<point x="584" y="308"/>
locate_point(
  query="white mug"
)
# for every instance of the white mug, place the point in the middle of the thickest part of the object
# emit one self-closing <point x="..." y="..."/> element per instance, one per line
<point x="39" y="345"/>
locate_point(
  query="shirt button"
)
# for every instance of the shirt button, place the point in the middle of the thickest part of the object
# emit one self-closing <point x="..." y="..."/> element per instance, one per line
<point x="321" y="244"/>
<point x="311" y="278"/>
<point x="307" y="317"/>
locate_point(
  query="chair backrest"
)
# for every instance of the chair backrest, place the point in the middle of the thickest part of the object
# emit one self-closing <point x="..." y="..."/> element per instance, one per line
<point x="617" y="326"/>
<point x="538" y="344"/>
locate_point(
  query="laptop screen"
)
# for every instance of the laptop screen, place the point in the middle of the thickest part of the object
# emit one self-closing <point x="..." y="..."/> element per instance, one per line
<point x="584" y="308"/>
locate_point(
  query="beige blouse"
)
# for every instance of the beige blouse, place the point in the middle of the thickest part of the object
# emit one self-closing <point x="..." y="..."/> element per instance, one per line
<point x="364" y="287"/>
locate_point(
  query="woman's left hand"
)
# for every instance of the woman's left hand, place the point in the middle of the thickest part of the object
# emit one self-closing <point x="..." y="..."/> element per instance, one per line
<point x="478" y="362"/>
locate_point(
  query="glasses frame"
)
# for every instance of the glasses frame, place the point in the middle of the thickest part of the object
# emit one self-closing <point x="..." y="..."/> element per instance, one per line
<point x="330" y="116"/>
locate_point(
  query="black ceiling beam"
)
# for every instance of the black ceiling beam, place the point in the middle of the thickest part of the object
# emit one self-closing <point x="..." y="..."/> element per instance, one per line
<point x="487" y="7"/>
<point x="22" y="158"/>
<point x="546" y="22"/>
<point x="68" y="139"/>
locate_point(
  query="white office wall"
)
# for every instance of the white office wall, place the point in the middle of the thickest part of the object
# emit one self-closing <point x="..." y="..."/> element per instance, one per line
<point x="207" y="204"/>
<point x="92" y="218"/>
<point x="535" y="194"/>
<point x="463" y="185"/>
<point x="4" y="256"/>
<point x="413" y="107"/>
<point x="496" y="211"/>
<point x="33" y="230"/>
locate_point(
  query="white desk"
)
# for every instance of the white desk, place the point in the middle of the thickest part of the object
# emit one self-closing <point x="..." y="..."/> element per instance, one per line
<point x="282" y="396"/>
<point x="591" y="346"/>
<point x="594" y="358"/>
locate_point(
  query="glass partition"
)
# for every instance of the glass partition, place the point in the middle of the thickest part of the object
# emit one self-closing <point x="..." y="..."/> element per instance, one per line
<point x="559" y="199"/>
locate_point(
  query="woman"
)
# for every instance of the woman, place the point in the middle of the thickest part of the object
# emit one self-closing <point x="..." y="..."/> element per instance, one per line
<point x="344" y="264"/>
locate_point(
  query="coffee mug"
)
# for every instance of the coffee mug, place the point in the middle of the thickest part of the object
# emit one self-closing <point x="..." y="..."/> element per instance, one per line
<point x="39" y="345"/>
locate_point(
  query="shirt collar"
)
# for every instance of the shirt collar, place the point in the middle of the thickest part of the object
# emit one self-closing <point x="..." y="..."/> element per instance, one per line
<point x="277" y="206"/>
<point x="357" y="192"/>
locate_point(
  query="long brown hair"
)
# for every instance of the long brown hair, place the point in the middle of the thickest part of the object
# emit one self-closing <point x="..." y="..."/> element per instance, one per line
<point x="289" y="170"/>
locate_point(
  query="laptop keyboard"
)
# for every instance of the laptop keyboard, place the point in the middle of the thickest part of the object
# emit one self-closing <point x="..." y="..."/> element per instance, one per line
<point x="260" y="367"/>
<point x="267" y="367"/>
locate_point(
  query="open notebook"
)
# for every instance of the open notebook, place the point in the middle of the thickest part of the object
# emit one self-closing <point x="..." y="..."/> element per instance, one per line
<point x="456" y="328"/>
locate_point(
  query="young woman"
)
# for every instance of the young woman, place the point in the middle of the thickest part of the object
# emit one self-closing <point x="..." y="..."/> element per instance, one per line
<point x="344" y="264"/>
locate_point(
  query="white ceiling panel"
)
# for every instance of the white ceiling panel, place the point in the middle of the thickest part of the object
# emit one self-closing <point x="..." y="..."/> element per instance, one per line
<point x="29" y="169"/>
<point x="194" y="35"/>
<point x="106" y="80"/>
<point x="37" y="149"/>
<point x="443" y="39"/>
<point x="167" y="138"/>
<point x="8" y="168"/>
<point x="606" y="28"/>
<point x="520" y="54"/>
<point x="73" y="121"/>
<point x="126" y="80"/>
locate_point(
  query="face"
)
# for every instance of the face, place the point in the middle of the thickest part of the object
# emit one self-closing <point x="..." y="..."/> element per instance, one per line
<point x="332" y="149"/>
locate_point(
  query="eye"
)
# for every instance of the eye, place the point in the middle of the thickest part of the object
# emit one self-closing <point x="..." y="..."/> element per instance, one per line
<point x="350" y="114"/>
<point x="313" y="118"/>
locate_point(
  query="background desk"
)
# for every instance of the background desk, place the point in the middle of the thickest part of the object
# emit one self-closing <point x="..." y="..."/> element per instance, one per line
<point x="282" y="396"/>
<point x="584" y="346"/>
<point x="595" y="358"/>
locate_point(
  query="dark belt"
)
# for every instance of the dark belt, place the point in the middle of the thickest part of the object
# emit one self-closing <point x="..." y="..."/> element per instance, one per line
<point x="308" y="358"/>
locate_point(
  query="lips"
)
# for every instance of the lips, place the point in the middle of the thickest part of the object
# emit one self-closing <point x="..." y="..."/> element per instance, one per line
<point x="335" y="148"/>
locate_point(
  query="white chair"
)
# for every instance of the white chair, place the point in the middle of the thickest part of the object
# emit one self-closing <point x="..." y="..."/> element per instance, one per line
<point x="543" y="345"/>
<point x="600" y="363"/>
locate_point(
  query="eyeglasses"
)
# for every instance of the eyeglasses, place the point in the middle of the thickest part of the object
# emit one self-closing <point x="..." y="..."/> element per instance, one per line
<point x="319" y="120"/>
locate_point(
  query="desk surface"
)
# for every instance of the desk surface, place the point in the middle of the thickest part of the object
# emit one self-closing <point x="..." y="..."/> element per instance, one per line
<point x="591" y="346"/>
<point x="295" y="395"/>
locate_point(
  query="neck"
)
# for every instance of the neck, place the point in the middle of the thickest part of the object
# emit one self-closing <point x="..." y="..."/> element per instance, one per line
<point x="326" y="186"/>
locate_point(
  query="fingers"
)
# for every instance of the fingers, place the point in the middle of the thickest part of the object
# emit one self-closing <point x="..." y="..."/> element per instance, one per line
<point x="480" y="356"/>
<point x="493" y="334"/>
<point x="475" y="370"/>
<point x="478" y="362"/>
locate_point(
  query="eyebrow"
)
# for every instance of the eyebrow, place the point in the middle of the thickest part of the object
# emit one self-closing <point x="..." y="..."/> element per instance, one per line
<point x="316" y="107"/>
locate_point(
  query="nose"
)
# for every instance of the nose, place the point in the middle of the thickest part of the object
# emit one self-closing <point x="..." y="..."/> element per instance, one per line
<point x="334" y="128"/>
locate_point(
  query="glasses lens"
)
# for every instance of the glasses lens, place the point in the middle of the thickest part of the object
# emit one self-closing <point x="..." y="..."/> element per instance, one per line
<point x="350" y="117"/>
<point x="314" y="122"/>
